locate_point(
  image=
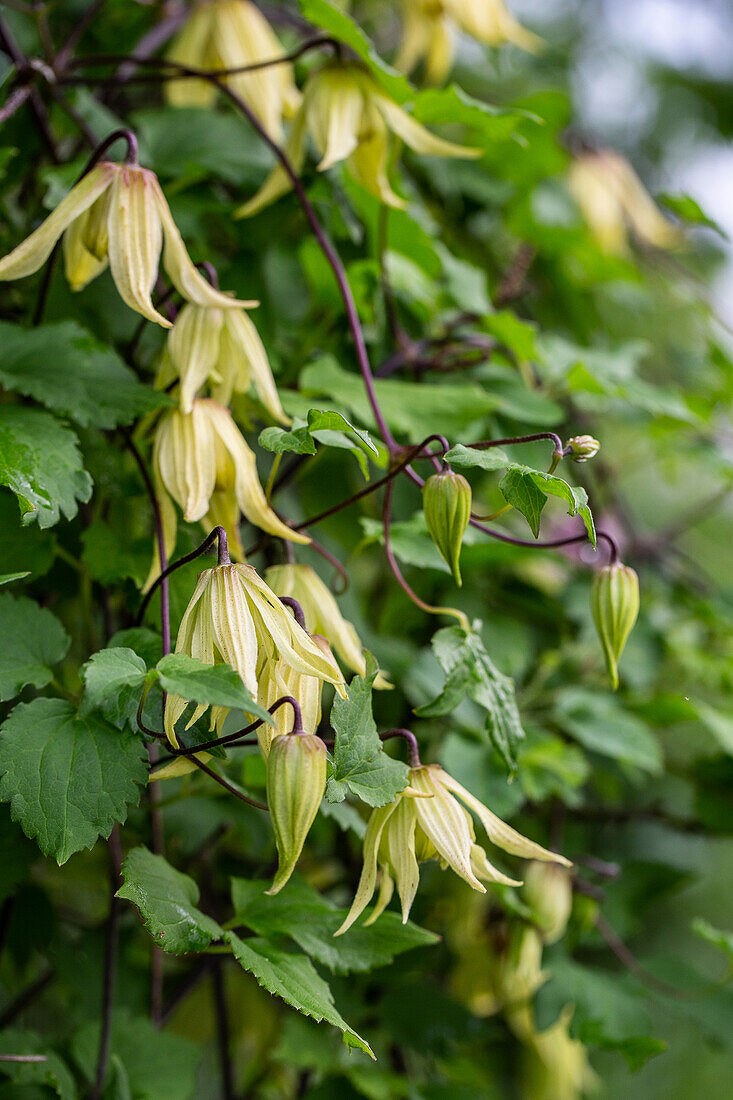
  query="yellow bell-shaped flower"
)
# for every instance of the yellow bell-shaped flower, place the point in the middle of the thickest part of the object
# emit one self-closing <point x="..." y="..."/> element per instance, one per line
<point x="431" y="27"/>
<point x="220" y="347"/>
<point x="230" y="34"/>
<point x="350" y="118"/>
<point x="117" y="215"/>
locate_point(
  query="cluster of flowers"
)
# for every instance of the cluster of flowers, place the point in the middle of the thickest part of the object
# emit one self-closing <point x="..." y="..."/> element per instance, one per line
<point x="117" y="216"/>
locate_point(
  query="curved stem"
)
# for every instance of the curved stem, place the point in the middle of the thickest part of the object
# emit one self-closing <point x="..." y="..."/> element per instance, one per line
<point x="430" y="608"/>
<point x="217" y="535"/>
<point x="228" y="786"/>
<point x="412" y="747"/>
<point x="297" y="610"/>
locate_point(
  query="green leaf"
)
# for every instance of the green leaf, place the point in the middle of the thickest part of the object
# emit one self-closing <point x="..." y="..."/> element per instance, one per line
<point x="690" y="211"/>
<point x="411" y="409"/>
<point x="302" y="913"/>
<point x="156" y="1063"/>
<point x="41" y="463"/>
<point x="518" y="489"/>
<point x="34" y="641"/>
<point x="360" y="763"/>
<point x="216" y="685"/>
<point x="293" y="978"/>
<point x="111" y="558"/>
<point x="113" y="680"/>
<point x="600" y="724"/>
<point x="722" y="940"/>
<point x="326" y="426"/>
<point x="521" y="492"/>
<point x="51" y="1073"/>
<point x="8" y="578"/>
<point x="341" y="26"/>
<point x="68" y="777"/>
<point x="470" y="671"/>
<point x="167" y="902"/>
<point x="64" y="367"/>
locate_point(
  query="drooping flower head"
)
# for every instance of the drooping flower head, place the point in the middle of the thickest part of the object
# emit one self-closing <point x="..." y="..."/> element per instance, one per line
<point x="229" y="34"/>
<point x="554" y="1065"/>
<point x="234" y="618"/>
<point x="117" y="215"/>
<point x="296" y="783"/>
<point x="431" y="27"/>
<point x="220" y="347"/>
<point x="612" y="200"/>
<point x="322" y="613"/>
<point x="201" y="460"/>
<point x="429" y="820"/>
<point x="349" y="118"/>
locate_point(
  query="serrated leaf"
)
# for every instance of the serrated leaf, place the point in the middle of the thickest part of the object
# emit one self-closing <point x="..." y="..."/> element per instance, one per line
<point x="494" y="458"/>
<point x="167" y="901"/>
<point x="41" y="463"/>
<point x="217" y="685"/>
<point x="68" y="778"/>
<point x="34" y="641"/>
<point x="113" y="680"/>
<point x="293" y="978"/>
<point x="470" y="671"/>
<point x="65" y="368"/>
<point x="360" y="763"/>
<point x="302" y="913"/>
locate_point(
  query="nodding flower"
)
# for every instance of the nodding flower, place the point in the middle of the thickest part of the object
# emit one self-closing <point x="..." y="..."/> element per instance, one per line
<point x="350" y="118"/>
<point x="431" y="27"/>
<point x="228" y="34"/>
<point x="322" y="613"/>
<point x="234" y="618"/>
<point x="202" y="462"/>
<point x="430" y="820"/>
<point x="613" y="200"/>
<point x="220" y="347"/>
<point x="296" y="783"/>
<point x="117" y="216"/>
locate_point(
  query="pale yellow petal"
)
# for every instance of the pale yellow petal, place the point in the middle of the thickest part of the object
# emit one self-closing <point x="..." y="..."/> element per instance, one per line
<point x="253" y="363"/>
<point x="33" y="252"/>
<point x="278" y="183"/>
<point x="135" y="238"/>
<point x="368" y="878"/>
<point x="417" y="136"/>
<point x="182" y="765"/>
<point x="193" y="348"/>
<point x="445" y="824"/>
<point x="192" y="47"/>
<point x="233" y="627"/>
<point x="386" y="889"/>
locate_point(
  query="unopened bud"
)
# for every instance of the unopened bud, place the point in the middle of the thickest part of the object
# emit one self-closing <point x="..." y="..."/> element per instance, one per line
<point x="520" y="972"/>
<point x="447" y="507"/>
<point x="548" y="892"/>
<point x="296" y="782"/>
<point x="614" y="601"/>
<point x="583" y="447"/>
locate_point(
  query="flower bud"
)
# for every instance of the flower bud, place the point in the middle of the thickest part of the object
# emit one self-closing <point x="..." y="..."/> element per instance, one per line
<point x="296" y="782"/>
<point x="614" y="602"/>
<point x="447" y="506"/>
<point x="583" y="447"/>
<point x="548" y="892"/>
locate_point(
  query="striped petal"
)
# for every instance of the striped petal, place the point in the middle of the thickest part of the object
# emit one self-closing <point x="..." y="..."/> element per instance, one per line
<point x="249" y="354"/>
<point x="193" y="348"/>
<point x="232" y="625"/>
<point x="400" y="844"/>
<point x="33" y="252"/>
<point x="446" y="825"/>
<point x="368" y="879"/>
<point x="419" y="139"/>
<point x="135" y="239"/>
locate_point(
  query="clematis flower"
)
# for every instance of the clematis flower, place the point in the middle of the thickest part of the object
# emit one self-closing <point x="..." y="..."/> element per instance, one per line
<point x="350" y="118"/>
<point x="612" y="200"/>
<point x="322" y="614"/>
<point x="431" y="26"/>
<point x="234" y="618"/>
<point x="278" y="678"/>
<point x="554" y="1065"/>
<point x="227" y="34"/>
<point x="117" y="215"/>
<point x="201" y="460"/>
<point x="221" y="347"/>
<point x="429" y="820"/>
<point x="296" y="784"/>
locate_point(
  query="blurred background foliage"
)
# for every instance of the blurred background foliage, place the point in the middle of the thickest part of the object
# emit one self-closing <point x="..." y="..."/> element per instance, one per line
<point x="636" y="787"/>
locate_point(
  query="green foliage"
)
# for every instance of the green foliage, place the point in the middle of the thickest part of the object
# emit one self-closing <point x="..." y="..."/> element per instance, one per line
<point x="167" y="903"/>
<point x="36" y="642"/>
<point x="470" y="671"/>
<point x="68" y="777"/>
<point x="40" y="462"/>
<point x="360" y="764"/>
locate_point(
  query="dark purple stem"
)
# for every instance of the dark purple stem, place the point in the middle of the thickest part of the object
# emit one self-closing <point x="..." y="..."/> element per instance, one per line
<point x="412" y="747"/>
<point x="297" y="610"/>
